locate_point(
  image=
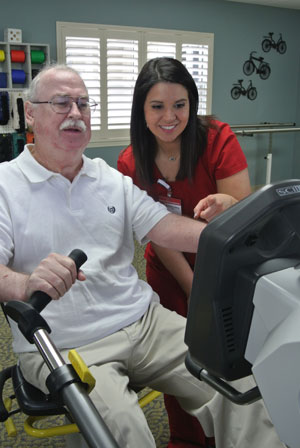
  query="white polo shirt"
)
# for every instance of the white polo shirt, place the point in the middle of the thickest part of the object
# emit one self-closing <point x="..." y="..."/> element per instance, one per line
<point x="43" y="212"/>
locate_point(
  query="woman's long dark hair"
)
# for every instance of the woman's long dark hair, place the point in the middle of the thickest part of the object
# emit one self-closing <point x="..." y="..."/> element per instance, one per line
<point x="194" y="136"/>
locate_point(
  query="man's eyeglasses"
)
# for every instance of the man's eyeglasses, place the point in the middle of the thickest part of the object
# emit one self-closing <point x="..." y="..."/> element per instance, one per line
<point x="63" y="104"/>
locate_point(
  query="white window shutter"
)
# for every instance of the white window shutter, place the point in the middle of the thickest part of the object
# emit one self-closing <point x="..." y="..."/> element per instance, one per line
<point x="195" y="58"/>
<point x="161" y="49"/>
<point x="122" y="71"/>
<point x="83" y="54"/>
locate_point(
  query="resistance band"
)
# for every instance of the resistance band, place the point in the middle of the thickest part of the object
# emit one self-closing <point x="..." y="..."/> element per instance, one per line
<point x="29" y="137"/>
<point x="6" y="147"/>
<point x="34" y="72"/>
<point x="2" y="55"/>
<point x="4" y="108"/>
<point x="3" y="80"/>
<point x="20" y="108"/>
<point x="17" y="105"/>
<point x="37" y="57"/>
<point x="18" y="141"/>
<point x="18" y="76"/>
<point x="17" y="56"/>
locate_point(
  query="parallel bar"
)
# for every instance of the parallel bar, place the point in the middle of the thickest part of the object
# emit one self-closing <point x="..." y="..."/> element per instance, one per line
<point x="261" y="125"/>
<point x="249" y="132"/>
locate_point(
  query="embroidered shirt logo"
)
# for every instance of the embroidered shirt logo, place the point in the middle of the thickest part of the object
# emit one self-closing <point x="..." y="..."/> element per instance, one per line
<point x="111" y="210"/>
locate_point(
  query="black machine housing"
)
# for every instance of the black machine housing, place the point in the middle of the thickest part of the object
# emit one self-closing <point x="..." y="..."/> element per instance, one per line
<point x="257" y="236"/>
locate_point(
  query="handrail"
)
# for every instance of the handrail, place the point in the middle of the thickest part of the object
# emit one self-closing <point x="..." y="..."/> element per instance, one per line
<point x="250" y="132"/>
<point x="261" y="125"/>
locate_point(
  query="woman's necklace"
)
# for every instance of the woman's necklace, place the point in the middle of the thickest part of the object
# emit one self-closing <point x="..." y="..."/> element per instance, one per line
<point x="164" y="156"/>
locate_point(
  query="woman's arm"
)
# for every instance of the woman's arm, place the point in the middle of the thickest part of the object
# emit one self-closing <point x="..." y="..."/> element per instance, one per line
<point x="230" y="190"/>
<point x="177" y="265"/>
<point x="237" y="185"/>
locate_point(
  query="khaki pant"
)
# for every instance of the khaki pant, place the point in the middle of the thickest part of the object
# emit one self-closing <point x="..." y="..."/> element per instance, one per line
<point x="151" y="353"/>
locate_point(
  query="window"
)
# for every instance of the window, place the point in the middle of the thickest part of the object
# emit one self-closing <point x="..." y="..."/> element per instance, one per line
<point x="109" y="59"/>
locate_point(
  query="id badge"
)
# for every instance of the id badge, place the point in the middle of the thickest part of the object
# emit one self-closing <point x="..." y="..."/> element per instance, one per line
<point x="172" y="204"/>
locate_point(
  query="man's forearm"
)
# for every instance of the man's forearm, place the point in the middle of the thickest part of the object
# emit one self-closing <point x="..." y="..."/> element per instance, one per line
<point x="177" y="232"/>
<point x="12" y="285"/>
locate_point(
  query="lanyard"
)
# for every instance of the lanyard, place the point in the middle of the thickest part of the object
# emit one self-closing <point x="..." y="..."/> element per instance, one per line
<point x="172" y="204"/>
<point x="167" y="186"/>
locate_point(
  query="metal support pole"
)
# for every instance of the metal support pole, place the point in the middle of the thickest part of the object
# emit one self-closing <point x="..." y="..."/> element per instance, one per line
<point x="269" y="168"/>
<point x="269" y="161"/>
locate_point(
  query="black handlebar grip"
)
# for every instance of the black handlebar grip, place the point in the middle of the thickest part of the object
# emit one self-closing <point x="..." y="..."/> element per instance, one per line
<point x="79" y="257"/>
<point x="39" y="299"/>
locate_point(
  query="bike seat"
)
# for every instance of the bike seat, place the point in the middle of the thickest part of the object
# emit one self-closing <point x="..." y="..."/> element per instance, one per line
<point x="240" y="81"/>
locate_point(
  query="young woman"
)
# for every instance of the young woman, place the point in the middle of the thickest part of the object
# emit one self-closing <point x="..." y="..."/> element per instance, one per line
<point x="196" y="167"/>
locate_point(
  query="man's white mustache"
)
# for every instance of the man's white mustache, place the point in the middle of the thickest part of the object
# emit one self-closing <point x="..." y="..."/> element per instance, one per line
<point x="77" y="124"/>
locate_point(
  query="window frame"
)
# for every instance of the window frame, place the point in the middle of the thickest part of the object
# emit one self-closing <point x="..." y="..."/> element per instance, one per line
<point x="105" y="137"/>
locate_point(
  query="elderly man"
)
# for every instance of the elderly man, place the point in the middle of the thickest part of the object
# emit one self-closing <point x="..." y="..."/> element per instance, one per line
<point x="52" y="199"/>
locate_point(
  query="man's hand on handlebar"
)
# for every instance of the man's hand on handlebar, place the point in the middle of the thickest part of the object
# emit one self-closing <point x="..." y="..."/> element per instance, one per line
<point x="54" y="275"/>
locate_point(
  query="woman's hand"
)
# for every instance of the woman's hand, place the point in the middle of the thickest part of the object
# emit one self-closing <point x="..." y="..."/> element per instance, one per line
<point x="213" y="205"/>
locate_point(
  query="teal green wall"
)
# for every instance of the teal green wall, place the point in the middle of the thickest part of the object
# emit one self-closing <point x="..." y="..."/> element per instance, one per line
<point x="110" y="155"/>
<point x="238" y="29"/>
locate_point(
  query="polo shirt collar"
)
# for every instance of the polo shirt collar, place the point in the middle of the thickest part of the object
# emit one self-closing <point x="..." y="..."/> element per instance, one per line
<point x="35" y="172"/>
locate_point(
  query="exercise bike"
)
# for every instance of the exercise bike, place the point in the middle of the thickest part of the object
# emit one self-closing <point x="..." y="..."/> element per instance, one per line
<point x="245" y="304"/>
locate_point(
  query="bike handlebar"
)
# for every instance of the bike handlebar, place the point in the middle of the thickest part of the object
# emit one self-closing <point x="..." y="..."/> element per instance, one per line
<point x="39" y="299"/>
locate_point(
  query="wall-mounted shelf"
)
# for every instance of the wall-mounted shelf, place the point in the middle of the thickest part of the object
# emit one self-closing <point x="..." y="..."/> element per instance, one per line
<point x="19" y="63"/>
